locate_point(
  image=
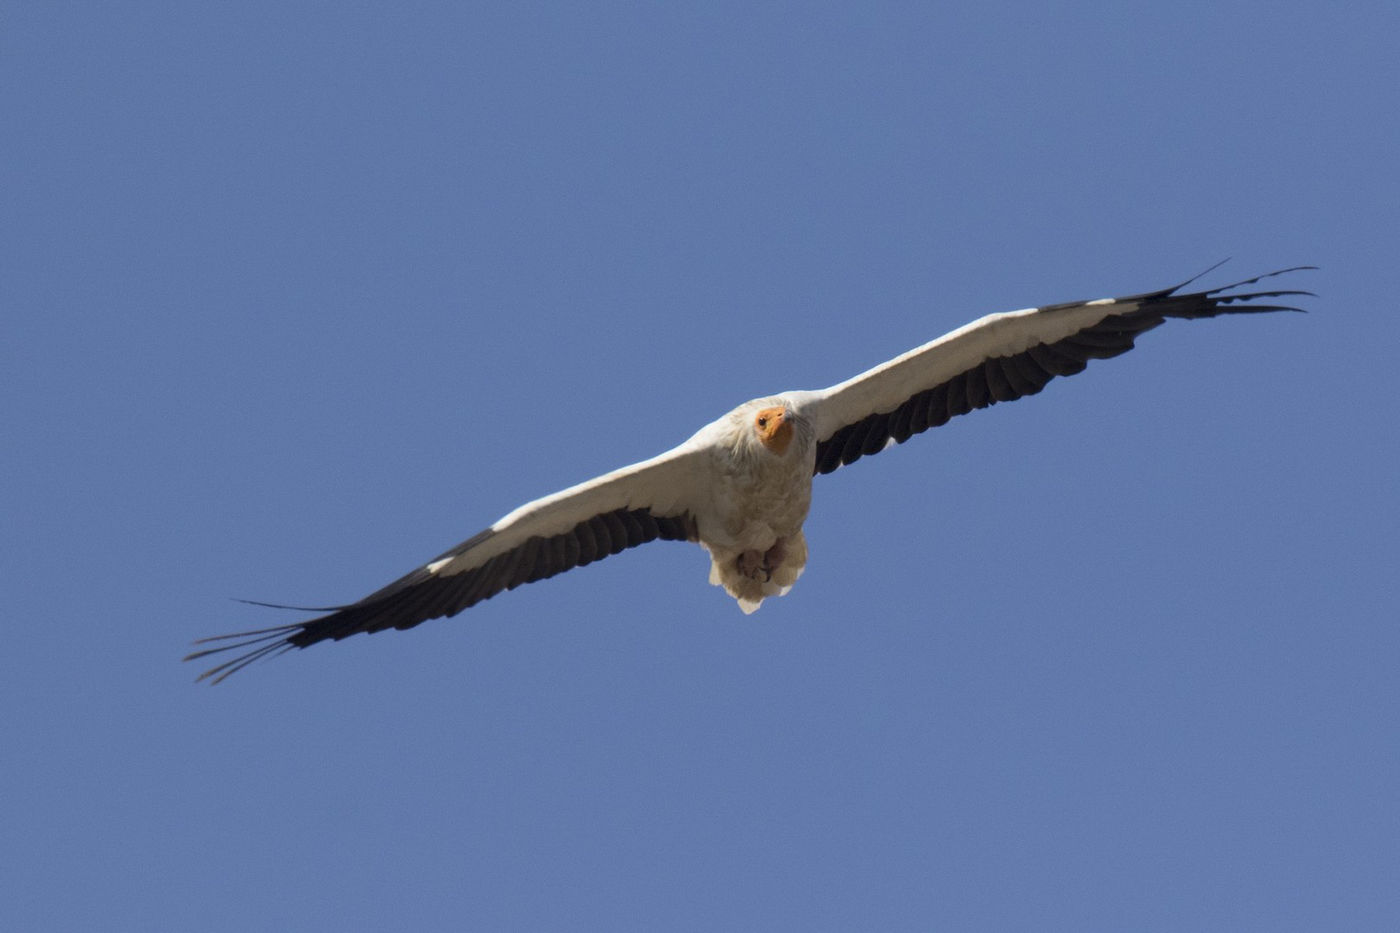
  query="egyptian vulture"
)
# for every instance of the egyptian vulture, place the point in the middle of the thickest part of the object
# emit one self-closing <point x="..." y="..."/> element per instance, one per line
<point x="740" y="486"/>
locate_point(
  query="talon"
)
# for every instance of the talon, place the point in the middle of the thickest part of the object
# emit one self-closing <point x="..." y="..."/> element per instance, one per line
<point x="751" y="564"/>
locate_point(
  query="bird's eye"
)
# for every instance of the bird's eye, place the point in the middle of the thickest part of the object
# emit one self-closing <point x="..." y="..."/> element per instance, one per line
<point x="763" y="422"/>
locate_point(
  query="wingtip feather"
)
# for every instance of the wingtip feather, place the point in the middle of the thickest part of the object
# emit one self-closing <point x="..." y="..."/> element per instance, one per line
<point x="270" y="642"/>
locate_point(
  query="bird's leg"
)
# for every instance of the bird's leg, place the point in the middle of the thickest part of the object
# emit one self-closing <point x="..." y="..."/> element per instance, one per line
<point x="773" y="557"/>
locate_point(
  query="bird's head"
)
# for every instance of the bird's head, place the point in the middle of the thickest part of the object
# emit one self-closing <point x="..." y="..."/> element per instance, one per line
<point x="774" y="428"/>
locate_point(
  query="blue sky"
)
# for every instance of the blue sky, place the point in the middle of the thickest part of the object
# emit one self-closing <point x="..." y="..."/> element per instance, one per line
<point x="297" y="295"/>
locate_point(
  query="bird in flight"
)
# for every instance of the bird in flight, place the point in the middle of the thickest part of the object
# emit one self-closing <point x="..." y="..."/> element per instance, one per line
<point x="741" y="486"/>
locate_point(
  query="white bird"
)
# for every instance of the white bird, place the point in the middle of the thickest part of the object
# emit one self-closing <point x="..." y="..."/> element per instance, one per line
<point x="741" y="486"/>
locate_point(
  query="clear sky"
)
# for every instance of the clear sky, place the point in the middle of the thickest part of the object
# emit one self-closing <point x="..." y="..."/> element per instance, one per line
<point x="296" y="295"/>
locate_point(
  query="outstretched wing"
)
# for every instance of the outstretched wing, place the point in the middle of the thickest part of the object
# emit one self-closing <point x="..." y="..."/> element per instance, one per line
<point x="651" y="500"/>
<point x="999" y="358"/>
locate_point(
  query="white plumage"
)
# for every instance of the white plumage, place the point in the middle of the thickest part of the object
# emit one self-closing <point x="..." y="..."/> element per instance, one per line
<point x="741" y="486"/>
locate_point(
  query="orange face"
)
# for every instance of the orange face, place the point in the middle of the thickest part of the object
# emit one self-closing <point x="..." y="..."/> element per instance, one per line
<point x="774" y="430"/>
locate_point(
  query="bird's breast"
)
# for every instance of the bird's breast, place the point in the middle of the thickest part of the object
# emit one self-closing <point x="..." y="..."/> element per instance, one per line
<point x="761" y="501"/>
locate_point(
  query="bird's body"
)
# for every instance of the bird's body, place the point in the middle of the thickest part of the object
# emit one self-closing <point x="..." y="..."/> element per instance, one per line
<point x="759" y="483"/>
<point x="742" y="485"/>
